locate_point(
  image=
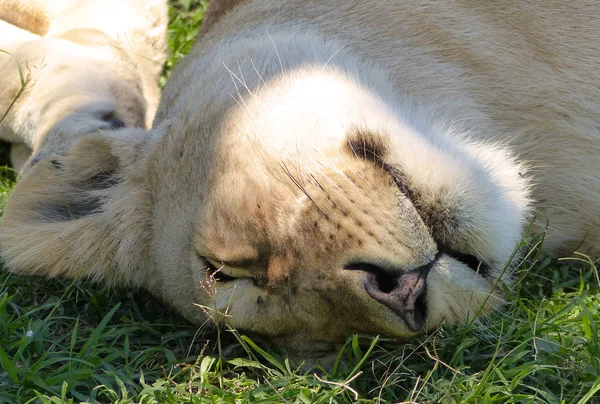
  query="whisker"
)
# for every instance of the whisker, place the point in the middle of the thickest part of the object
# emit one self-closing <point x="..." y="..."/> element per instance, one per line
<point x="299" y="185"/>
<point x="276" y="51"/>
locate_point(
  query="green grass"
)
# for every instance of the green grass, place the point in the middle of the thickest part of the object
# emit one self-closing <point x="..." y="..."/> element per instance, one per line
<point x="70" y="342"/>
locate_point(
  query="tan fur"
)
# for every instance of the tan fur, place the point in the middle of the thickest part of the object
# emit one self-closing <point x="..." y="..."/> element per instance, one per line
<point x="30" y="15"/>
<point x="301" y="138"/>
<point x="84" y="62"/>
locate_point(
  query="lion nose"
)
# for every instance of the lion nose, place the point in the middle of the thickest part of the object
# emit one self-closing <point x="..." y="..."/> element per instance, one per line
<point x="403" y="292"/>
<point x="404" y="295"/>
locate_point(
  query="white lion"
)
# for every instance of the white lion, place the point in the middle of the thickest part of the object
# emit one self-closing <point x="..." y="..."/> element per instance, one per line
<point x="319" y="168"/>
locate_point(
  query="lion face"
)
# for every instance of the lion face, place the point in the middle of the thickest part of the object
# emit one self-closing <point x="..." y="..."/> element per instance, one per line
<point x="349" y="252"/>
<point x="357" y="221"/>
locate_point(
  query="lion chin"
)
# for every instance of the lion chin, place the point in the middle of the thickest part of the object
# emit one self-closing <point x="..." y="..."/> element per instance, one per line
<point x="315" y="170"/>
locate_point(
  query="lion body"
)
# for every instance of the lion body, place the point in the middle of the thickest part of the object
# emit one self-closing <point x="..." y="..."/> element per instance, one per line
<point x="317" y="155"/>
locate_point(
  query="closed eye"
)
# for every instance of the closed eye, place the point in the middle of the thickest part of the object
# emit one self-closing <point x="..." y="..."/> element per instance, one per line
<point x="469" y="260"/>
<point x="216" y="272"/>
<point x="225" y="272"/>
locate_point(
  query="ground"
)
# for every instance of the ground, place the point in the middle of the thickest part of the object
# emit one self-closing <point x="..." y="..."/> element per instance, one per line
<point x="71" y="342"/>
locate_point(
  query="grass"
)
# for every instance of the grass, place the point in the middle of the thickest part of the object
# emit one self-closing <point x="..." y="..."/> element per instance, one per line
<point x="63" y="342"/>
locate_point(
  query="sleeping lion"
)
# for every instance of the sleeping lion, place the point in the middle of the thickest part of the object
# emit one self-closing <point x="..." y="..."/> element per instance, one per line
<point x="322" y="168"/>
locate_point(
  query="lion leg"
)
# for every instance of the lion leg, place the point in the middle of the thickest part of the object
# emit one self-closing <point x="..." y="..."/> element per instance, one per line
<point x="29" y="15"/>
<point x="80" y="77"/>
<point x="13" y="88"/>
<point x="138" y="29"/>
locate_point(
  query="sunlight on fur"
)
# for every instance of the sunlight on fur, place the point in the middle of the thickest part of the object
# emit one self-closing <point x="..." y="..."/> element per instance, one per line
<point x="332" y="169"/>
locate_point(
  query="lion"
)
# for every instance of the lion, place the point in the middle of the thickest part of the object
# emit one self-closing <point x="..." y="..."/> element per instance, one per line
<point x="75" y="67"/>
<point x="317" y="169"/>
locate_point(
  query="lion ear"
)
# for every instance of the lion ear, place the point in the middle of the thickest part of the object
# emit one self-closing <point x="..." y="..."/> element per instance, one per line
<point x="84" y="214"/>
